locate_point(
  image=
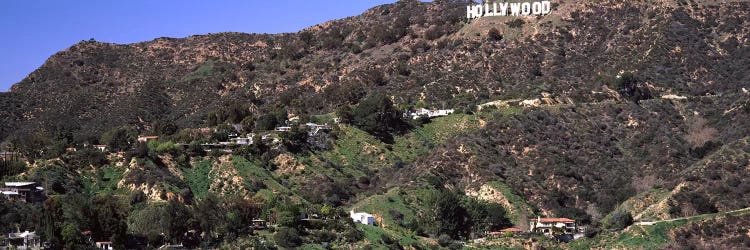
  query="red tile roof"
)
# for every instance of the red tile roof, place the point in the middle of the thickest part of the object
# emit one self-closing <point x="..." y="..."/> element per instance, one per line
<point x="512" y="229"/>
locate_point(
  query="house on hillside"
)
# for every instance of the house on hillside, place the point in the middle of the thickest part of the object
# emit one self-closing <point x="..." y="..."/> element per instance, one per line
<point x="259" y="224"/>
<point x="237" y="140"/>
<point x="422" y="112"/>
<point x="314" y="129"/>
<point x="7" y="156"/>
<point x="552" y="226"/>
<point x="147" y="138"/>
<point x="21" y="191"/>
<point x="101" y="147"/>
<point x="362" y="218"/>
<point x="282" y="129"/>
<point x="242" y="140"/>
<point x="104" y="245"/>
<point x="24" y="240"/>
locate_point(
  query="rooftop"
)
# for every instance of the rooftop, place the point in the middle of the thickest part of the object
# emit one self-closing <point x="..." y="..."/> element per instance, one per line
<point x="19" y="184"/>
<point x="554" y="220"/>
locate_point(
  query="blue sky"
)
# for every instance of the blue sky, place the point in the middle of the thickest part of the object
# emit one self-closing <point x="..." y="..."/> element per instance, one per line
<point x="33" y="30"/>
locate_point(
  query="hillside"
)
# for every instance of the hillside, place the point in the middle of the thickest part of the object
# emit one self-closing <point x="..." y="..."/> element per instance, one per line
<point x="598" y="110"/>
<point x="416" y="52"/>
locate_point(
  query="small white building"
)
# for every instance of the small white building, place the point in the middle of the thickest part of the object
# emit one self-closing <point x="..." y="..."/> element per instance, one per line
<point x="282" y="129"/>
<point x="147" y="138"/>
<point x="101" y="147"/>
<point x="363" y="218"/>
<point x="242" y="140"/>
<point x="105" y="245"/>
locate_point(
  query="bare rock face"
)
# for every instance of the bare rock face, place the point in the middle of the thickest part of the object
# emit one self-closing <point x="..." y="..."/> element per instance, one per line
<point x="227" y="179"/>
<point x="287" y="164"/>
<point x="133" y="181"/>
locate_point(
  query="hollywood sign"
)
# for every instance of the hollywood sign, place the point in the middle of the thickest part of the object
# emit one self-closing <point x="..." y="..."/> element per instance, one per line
<point x="508" y="9"/>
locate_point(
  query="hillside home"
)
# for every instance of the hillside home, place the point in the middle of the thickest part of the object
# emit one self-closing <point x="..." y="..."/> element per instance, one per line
<point x="7" y="156"/>
<point x="101" y="147"/>
<point x="242" y="140"/>
<point x="24" y="240"/>
<point x="105" y="245"/>
<point x="20" y="191"/>
<point x="259" y="224"/>
<point x="282" y="129"/>
<point x="147" y="138"/>
<point x="316" y="128"/>
<point x="552" y="226"/>
<point x="363" y="218"/>
<point x="428" y="113"/>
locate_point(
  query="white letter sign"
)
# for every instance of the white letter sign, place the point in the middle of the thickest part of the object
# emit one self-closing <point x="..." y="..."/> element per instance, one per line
<point x="537" y="8"/>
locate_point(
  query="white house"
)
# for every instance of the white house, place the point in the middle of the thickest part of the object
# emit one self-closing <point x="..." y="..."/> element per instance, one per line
<point x="316" y="128"/>
<point x="363" y="218"/>
<point x="147" y="138"/>
<point x="101" y="147"/>
<point x="282" y="129"/>
<point x="547" y="226"/>
<point x="428" y="113"/>
<point x="104" y="245"/>
<point x="242" y="141"/>
<point x="23" y="191"/>
<point x="24" y="240"/>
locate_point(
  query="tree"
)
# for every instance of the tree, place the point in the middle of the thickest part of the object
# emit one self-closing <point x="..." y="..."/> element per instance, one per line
<point x="266" y="122"/>
<point x="377" y="116"/>
<point x="11" y="167"/>
<point x="150" y="222"/>
<point x="248" y="124"/>
<point x="630" y="87"/>
<point x="445" y="214"/>
<point x="344" y="113"/>
<point x="178" y="220"/>
<point x="71" y="236"/>
<point x="164" y="127"/>
<point x="110" y="219"/>
<point x="620" y="220"/>
<point x="295" y="139"/>
<point x="119" y="139"/>
<point x="484" y="216"/>
<point x="209" y="214"/>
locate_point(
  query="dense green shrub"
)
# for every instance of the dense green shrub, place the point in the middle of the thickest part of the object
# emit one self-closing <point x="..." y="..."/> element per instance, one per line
<point x="620" y="220"/>
<point x="377" y="116"/>
<point x="287" y="237"/>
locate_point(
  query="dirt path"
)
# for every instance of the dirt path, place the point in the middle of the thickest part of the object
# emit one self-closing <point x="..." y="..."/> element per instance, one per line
<point x="650" y="223"/>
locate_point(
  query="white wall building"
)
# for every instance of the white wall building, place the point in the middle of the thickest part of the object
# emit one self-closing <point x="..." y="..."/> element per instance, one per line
<point x="429" y="113"/>
<point x="548" y="226"/>
<point x="363" y="218"/>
